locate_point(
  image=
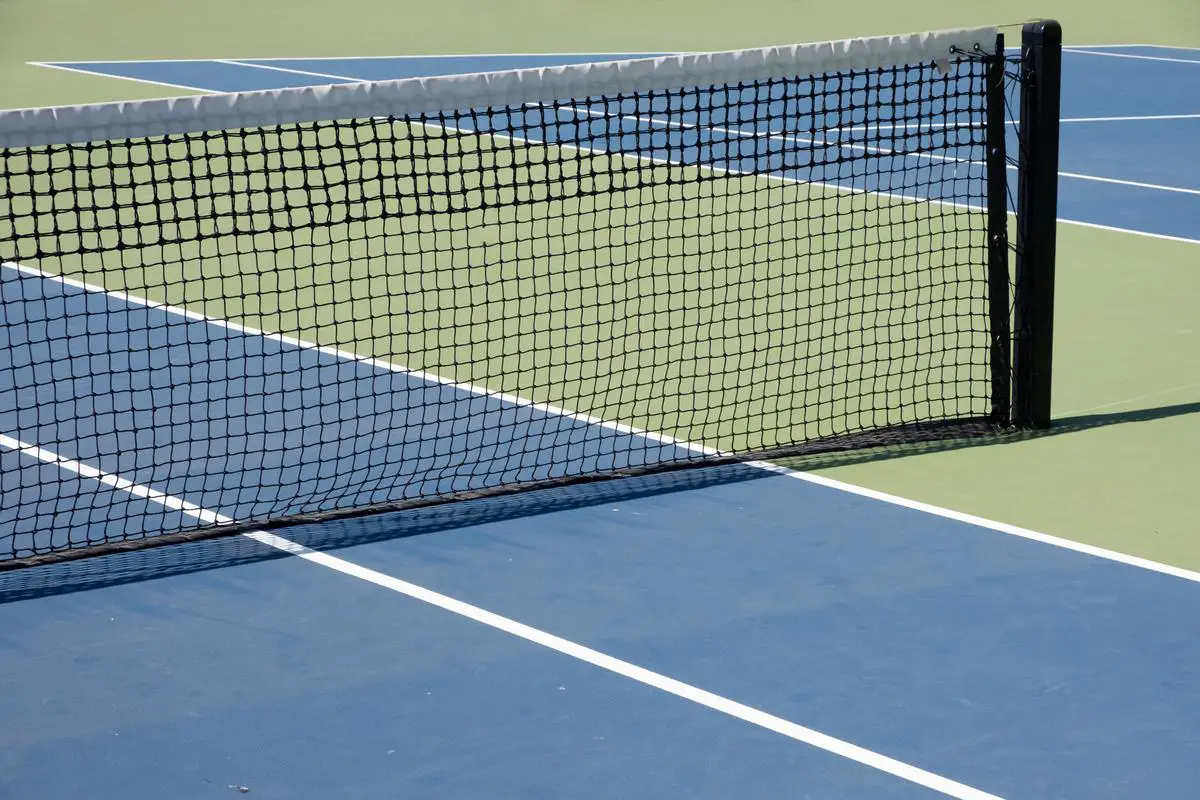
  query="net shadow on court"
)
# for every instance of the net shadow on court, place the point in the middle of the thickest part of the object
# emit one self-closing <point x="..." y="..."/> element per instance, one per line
<point x="1062" y="426"/>
<point x="218" y="553"/>
<point x="228" y="551"/>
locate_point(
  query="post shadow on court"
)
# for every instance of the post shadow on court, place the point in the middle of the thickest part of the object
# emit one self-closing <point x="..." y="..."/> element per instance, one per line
<point x="1060" y="427"/>
<point x="226" y="551"/>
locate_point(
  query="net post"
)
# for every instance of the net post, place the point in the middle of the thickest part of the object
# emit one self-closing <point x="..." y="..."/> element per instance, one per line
<point x="997" y="232"/>
<point x="1037" y="213"/>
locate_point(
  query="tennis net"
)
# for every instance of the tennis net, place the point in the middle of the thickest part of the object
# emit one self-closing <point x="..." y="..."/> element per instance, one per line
<point x="232" y="311"/>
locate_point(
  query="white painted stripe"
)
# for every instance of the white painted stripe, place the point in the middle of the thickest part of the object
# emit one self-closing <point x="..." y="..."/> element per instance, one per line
<point x="1130" y="55"/>
<point x="118" y="77"/>
<point x="780" y="137"/>
<point x="891" y="195"/>
<point x="434" y="56"/>
<point x="1131" y="231"/>
<point x="1081" y="48"/>
<point x="662" y="123"/>
<point x="1109" y="46"/>
<point x="625" y="669"/>
<point x="1000" y="527"/>
<point x="1138" y="398"/>
<point x="1134" y="118"/>
<point x="931" y="126"/>
<point x="724" y="705"/>
<point x="115" y="481"/>
<point x="1137" y="184"/>
<point x="773" y="177"/>
<point x="288" y="70"/>
<point x="346" y="355"/>
<point x="1154" y="46"/>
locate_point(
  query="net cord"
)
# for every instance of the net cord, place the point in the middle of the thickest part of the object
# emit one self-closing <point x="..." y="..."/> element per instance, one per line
<point x="35" y="127"/>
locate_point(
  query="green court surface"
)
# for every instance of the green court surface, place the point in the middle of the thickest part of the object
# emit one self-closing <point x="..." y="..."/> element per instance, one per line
<point x="544" y="271"/>
<point x="1119" y="469"/>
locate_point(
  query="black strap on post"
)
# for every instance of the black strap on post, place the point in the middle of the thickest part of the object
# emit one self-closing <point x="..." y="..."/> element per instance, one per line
<point x="1037" y="213"/>
<point x="997" y="232"/>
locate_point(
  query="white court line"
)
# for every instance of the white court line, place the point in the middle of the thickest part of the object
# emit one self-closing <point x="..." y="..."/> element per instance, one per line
<point x="119" y="77"/>
<point x="1084" y="48"/>
<point x="981" y="522"/>
<point x="1158" y="46"/>
<point x="970" y="519"/>
<point x="1115" y="46"/>
<point x="625" y="669"/>
<point x="1131" y="231"/>
<point x="621" y="53"/>
<point x="1138" y="398"/>
<point x="1134" y="118"/>
<point x="779" y="137"/>
<point x="346" y="355"/>
<point x="1130" y="55"/>
<point x="864" y="148"/>
<point x="773" y="177"/>
<point x="631" y="54"/>
<point x="235" y="63"/>
<point x="1109" y="46"/>
<point x="1120" y="182"/>
<point x="920" y="126"/>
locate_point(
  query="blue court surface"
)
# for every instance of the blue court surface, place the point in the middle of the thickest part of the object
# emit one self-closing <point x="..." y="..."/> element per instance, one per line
<point x="732" y="632"/>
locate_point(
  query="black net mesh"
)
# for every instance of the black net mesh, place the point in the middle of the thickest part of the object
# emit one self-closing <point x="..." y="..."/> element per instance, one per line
<point x="324" y="317"/>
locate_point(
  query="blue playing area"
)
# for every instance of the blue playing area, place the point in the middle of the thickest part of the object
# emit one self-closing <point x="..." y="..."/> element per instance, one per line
<point x="737" y="631"/>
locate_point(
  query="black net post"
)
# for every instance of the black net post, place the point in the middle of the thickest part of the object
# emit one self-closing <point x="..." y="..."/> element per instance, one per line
<point x="997" y="232"/>
<point x="1037" y="212"/>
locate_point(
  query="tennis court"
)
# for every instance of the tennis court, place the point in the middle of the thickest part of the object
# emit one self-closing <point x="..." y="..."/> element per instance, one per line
<point x="736" y="630"/>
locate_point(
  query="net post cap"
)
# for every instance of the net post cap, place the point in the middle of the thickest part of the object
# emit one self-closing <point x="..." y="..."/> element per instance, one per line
<point x="1048" y="30"/>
